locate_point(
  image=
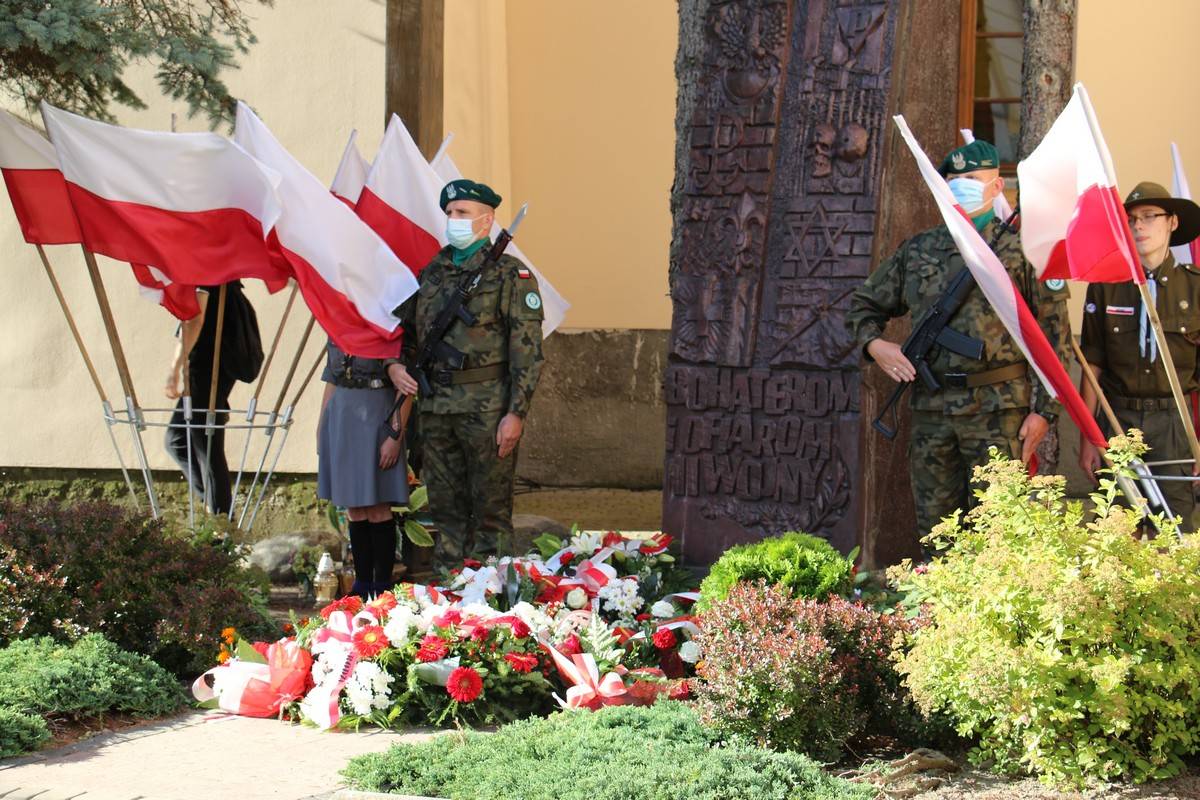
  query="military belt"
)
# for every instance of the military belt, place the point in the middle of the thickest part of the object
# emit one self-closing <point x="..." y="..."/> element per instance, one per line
<point x="360" y="383"/>
<point x="969" y="380"/>
<point x="1144" y="403"/>
<point x="449" y="377"/>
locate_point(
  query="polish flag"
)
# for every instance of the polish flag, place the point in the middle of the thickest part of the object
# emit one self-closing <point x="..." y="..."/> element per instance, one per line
<point x="35" y="185"/>
<point x="349" y="278"/>
<point x="1002" y="294"/>
<point x="400" y="199"/>
<point x="195" y="205"/>
<point x="1184" y="253"/>
<point x="351" y="173"/>
<point x="554" y="305"/>
<point x="1074" y="223"/>
<point x="39" y="196"/>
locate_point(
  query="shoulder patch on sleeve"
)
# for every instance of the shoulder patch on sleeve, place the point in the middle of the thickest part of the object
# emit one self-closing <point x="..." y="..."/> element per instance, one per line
<point x="1056" y="284"/>
<point x="533" y="300"/>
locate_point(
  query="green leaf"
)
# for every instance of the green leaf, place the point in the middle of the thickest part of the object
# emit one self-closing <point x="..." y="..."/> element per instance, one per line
<point x="246" y="653"/>
<point x="417" y="533"/>
<point x="419" y="498"/>
<point x="548" y="544"/>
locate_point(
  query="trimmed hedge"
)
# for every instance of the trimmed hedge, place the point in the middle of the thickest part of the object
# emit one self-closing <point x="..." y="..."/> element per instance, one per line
<point x="661" y="752"/>
<point x="804" y="565"/>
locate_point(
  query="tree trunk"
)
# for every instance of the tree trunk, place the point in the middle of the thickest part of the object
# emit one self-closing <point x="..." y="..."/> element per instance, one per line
<point x="413" y="69"/>
<point x="1047" y="76"/>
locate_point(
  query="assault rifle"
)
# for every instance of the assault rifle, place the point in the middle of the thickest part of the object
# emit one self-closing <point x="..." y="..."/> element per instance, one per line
<point x="434" y="348"/>
<point x="933" y="329"/>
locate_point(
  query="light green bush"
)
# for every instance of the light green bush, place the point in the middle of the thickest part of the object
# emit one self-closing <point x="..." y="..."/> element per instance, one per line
<point x="805" y="566"/>
<point x="660" y="752"/>
<point x="89" y="678"/>
<point x="1068" y="647"/>
<point x="20" y="732"/>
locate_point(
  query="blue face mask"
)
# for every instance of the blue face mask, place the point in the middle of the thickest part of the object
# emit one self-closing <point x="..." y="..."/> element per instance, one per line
<point x="968" y="192"/>
<point x="460" y="232"/>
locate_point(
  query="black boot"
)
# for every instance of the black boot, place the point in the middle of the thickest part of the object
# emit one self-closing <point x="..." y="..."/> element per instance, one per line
<point x="364" y="557"/>
<point x="383" y="545"/>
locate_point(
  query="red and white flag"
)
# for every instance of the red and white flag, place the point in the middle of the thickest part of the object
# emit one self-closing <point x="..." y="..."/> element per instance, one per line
<point x="1184" y="253"/>
<point x="35" y="185"/>
<point x="554" y="305"/>
<point x="351" y="173"/>
<point x="39" y="196"/>
<point x="400" y="199"/>
<point x="195" y="205"/>
<point x="1073" y="221"/>
<point x="998" y="287"/>
<point x="349" y="278"/>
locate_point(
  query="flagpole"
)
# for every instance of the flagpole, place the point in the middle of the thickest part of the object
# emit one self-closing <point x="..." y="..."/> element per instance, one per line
<point x="1128" y="488"/>
<point x="252" y="407"/>
<point x="287" y="417"/>
<point x="109" y="419"/>
<point x="131" y="401"/>
<point x="272" y="419"/>
<point x="1147" y="301"/>
<point x="210" y="418"/>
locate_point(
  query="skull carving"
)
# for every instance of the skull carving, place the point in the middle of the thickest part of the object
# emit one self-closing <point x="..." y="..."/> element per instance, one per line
<point x="824" y="139"/>
<point x="851" y="142"/>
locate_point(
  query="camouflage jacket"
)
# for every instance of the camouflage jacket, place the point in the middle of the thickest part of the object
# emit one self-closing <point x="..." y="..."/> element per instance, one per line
<point x="917" y="274"/>
<point x="1112" y="326"/>
<point x="508" y="331"/>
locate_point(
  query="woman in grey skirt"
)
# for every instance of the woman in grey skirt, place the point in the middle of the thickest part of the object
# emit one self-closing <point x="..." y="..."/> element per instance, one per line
<point x="361" y="465"/>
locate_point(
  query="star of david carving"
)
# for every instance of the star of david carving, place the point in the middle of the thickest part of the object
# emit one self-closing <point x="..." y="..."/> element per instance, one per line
<point x="828" y="234"/>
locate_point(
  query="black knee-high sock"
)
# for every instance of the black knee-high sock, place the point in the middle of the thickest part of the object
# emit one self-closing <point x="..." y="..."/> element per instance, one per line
<point x="383" y="544"/>
<point x="364" y="557"/>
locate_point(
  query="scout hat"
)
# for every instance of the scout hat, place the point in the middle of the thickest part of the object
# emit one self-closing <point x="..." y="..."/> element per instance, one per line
<point x="970" y="157"/>
<point x="465" y="189"/>
<point x="1147" y="193"/>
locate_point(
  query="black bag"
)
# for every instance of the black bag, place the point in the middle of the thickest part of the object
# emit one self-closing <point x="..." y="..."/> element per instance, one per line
<point x="241" y="350"/>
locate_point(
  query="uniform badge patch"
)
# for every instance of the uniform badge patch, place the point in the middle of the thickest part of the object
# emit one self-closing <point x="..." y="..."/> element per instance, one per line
<point x="1120" y="311"/>
<point x="524" y="274"/>
<point x="1090" y="308"/>
<point x="958" y="161"/>
<point x="533" y="301"/>
<point x="1055" y="284"/>
<point x="451" y="192"/>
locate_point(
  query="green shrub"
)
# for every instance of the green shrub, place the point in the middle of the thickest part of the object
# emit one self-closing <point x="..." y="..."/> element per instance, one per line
<point x="799" y="674"/>
<point x="33" y="601"/>
<point x="804" y="565"/>
<point x="20" y="733"/>
<point x="146" y="589"/>
<point x="86" y="679"/>
<point x="1068" y="647"/>
<point x="660" y="752"/>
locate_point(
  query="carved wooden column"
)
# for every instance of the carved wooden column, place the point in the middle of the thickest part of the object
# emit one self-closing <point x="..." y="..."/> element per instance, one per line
<point x="775" y="215"/>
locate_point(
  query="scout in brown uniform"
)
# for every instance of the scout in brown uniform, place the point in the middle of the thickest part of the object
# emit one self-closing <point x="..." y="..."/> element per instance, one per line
<point x="1120" y="347"/>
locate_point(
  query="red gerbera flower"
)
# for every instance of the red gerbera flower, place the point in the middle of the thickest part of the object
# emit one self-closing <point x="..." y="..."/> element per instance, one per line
<point x="382" y="604"/>
<point x="433" y="648"/>
<point x="521" y="662"/>
<point x="664" y="639"/>
<point x="369" y="641"/>
<point x="464" y="685"/>
<point x="351" y="604"/>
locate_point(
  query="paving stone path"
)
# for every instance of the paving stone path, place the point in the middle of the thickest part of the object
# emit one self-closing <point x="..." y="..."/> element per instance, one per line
<point x="195" y="756"/>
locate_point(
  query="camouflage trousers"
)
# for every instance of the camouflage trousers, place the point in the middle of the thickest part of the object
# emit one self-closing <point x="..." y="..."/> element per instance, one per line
<point x="1163" y="431"/>
<point x="470" y="486"/>
<point x="944" y="450"/>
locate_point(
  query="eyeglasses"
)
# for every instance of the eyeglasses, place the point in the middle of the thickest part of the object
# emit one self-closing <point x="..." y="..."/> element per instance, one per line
<point x="1145" y="219"/>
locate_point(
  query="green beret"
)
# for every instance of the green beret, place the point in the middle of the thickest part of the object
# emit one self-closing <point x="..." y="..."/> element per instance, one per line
<point x="970" y="157"/>
<point x="464" y="189"/>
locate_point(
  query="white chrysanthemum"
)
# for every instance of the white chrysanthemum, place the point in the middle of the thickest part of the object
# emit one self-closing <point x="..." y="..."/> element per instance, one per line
<point x="621" y="597"/>
<point x="689" y="651"/>
<point x="478" y="610"/>
<point x="369" y="688"/>
<point x="535" y="618"/>
<point x="662" y="609"/>
<point x="399" y="626"/>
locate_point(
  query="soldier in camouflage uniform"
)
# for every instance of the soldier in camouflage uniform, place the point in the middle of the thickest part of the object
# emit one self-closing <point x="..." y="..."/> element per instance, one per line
<point x="1119" y="344"/>
<point x="996" y="401"/>
<point x="471" y="424"/>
